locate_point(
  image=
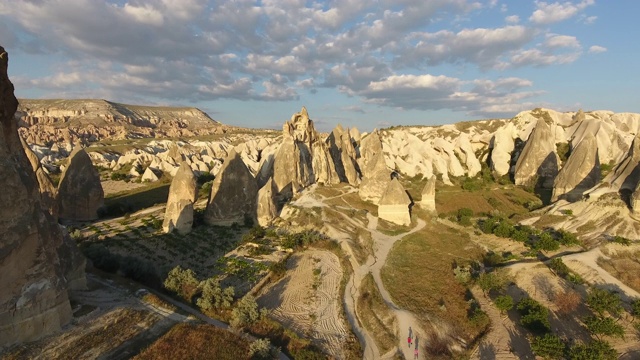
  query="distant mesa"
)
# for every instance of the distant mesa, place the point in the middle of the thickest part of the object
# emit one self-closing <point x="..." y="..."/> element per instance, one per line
<point x="45" y="122"/>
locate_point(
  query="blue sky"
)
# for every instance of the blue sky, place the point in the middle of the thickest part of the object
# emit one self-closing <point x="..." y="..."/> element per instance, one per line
<point x="363" y="63"/>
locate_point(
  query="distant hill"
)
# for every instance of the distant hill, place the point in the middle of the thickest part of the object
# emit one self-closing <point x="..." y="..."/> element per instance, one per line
<point x="57" y="120"/>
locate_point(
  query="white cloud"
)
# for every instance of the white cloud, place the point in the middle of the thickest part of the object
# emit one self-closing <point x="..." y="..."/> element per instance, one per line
<point x="560" y="41"/>
<point x="547" y="13"/>
<point x="596" y="49"/>
<point x="512" y="19"/>
<point x="536" y="57"/>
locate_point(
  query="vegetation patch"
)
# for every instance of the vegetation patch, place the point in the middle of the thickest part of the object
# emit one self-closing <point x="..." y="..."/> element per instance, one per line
<point x="376" y="316"/>
<point x="189" y="341"/>
<point x="418" y="275"/>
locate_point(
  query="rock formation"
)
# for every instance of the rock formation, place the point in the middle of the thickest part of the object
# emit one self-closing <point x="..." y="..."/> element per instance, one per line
<point x="33" y="300"/>
<point x="149" y="176"/>
<point x="394" y="204"/>
<point x="266" y="209"/>
<point x="47" y="190"/>
<point x="344" y="155"/>
<point x="538" y="163"/>
<point x="428" y="200"/>
<point x="292" y="164"/>
<point x="233" y="193"/>
<point x="80" y="193"/>
<point x="626" y="174"/>
<point x="182" y="195"/>
<point x="501" y="147"/>
<point x="580" y="173"/>
<point x="375" y="174"/>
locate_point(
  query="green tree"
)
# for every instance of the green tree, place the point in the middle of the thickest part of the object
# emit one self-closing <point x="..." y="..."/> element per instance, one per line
<point x="182" y="282"/>
<point x="245" y="313"/>
<point x="559" y="267"/>
<point x="504" y="303"/>
<point x="595" y="350"/>
<point x="600" y="325"/>
<point x="213" y="296"/>
<point x="548" y="346"/>
<point x="533" y="315"/>
<point x="547" y="242"/>
<point x="504" y="229"/>
<point x="601" y="301"/>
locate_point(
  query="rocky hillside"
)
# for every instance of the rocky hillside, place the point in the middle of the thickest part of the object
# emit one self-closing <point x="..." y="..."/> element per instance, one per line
<point x="44" y="122"/>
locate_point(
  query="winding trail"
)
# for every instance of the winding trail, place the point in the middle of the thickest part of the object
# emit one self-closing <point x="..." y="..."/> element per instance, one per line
<point x="382" y="245"/>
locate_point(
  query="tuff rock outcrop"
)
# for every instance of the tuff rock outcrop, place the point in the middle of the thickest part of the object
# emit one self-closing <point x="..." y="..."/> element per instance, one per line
<point x="394" y="204"/>
<point x="293" y="163"/>
<point x="344" y="155"/>
<point x="626" y="174"/>
<point x="80" y="193"/>
<point x="428" y="200"/>
<point x="538" y="162"/>
<point x="33" y="300"/>
<point x="47" y="190"/>
<point x="233" y="193"/>
<point x="149" y="175"/>
<point x="375" y="174"/>
<point x="634" y="201"/>
<point x="182" y="194"/>
<point x="266" y="209"/>
<point x="580" y="173"/>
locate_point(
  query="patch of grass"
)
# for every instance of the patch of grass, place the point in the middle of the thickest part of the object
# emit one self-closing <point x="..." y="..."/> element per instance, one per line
<point x="376" y="316"/>
<point x="419" y="276"/>
<point x="624" y="266"/>
<point x="508" y="200"/>
<point x="153" y="299"/>
<point x="188" y="341"/>
<point x="391" y="229"/>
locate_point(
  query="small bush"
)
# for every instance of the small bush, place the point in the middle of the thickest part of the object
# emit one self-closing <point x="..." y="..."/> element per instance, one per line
<point x="213" y="296"/>
<point x="559" y="267"/>
<point x="601" y="301"/>
<point x="504" y="303"/>
<point x="635" y="308"/>
<point x="600" y="325"/>
<point x="600" y="350"/>
<point x="621" y="240"/>
<point x="567" y="302"/>
<point x="182" y="282"/>
<point x="261" y="349"/>
<point x="546" y="242"/>
<point x="504" y="229"/>
<point x="548" y="346"/>
<point x="245" y="313"/>
<point x="534" y="316"/>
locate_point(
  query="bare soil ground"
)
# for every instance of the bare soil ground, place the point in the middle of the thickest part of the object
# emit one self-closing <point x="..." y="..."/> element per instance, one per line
<point x="113" y="187"/>
<point x="307" y="299"/>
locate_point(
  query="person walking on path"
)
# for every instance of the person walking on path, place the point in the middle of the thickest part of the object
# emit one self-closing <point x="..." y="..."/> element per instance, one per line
<point x="410" y="332"/>
<point x="409" y="341"/>
<point x="415" y="353"/>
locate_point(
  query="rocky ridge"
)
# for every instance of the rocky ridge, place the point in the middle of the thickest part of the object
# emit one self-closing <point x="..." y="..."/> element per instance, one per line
<point x="45" y="122"/>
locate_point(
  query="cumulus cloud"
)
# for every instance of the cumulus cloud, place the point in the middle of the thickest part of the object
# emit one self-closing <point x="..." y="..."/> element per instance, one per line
<point x="430" y="92"/>
<point x="273" y="50"/>
<point x="596" y="49"/>
<point x="547" y="13"/>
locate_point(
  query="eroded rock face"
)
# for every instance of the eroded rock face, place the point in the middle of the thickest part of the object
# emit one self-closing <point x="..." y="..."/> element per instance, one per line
<point x="394" y="204"/>
<point x="266" y="209"/>
<point x="580" y="173"/>
<point x="375" y="173"/>
<point x="233" y="193"/>
<point x="344" y="155"/>
<point x="538" y="163"/>
<point x="635" y="201"/>
<point x="33" y="300"/>
<point x="182" y="194"/>
<point x="502" y="144"/>
<point x="428" y="201"/>
<point x="80" y="193"/>
<point x="47" y="190"/>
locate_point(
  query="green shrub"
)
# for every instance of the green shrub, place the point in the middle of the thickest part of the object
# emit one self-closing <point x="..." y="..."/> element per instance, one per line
<point x="559" y="267"/>
<point x="621" y="240"/>
<point x="546" y="242"/>
<point x="504" y="229"/>
<point x="595" y="350"/>
<point x="635" y="308"/>
<point x="182" y="282"/>
<point x="117" y="176"/>
<point x="504" y="303"/>
<point x="465" y="212"/>
<point x="567" y="238"/>
<point x="534" y="316"/>
<point x="601" y="301"/>
<point x="245" y="313"/>
<point x="213" y="296"/>
<point x="260" y="349"/>
<point x="600" y="325"/>
<point x="548" y="346"/>
<point x="139" y="270"/>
